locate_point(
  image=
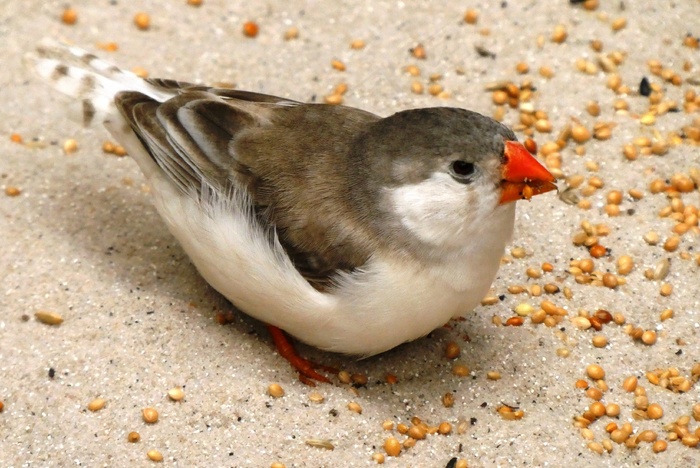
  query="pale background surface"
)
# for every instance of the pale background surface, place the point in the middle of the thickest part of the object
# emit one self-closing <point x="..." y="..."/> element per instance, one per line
<point x="83" y="240"/>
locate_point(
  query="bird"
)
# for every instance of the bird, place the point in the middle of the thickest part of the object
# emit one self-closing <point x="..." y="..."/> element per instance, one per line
<point x="351" y="232"/>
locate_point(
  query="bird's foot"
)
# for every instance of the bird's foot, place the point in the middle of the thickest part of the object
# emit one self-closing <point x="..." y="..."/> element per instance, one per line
<point x="306" y="368"/>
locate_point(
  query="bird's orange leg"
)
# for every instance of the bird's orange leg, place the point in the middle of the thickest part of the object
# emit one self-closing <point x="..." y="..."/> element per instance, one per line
<point x="307" y="374"/>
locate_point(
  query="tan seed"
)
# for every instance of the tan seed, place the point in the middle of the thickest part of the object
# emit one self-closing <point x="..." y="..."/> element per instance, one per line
<point x="559" y="35"/>
<point x="150" y="415"/>
<point x="291" y="33"/>
<point x="596" y="447"/>
<point x="444" y="428"/>
<point x="659" y="446"/>
<point x="378" y="458"/>
<point x="97" y="404"/>
<point x="666" y="289"/>
<point x="357" y="44"/>
<point x="595" y="372"/>
<point x="452" y="350"/>
<point x="471" y="16"/>
<point x="275" y="390"/>
<point x="49" y="318"/>
<point x="654" y="411"/>
<point x="142" y="20"/>
<point x="618" y="24"/>
<point x="316" y="397"/>
<point x="625" y="264"/>
<point x="696" y="411"/>
<point x="647" y="436"/>
<point x="610" y="281"/>
<point x="649" y="337"/>
<point x="417" y="432"/>
<point x="493" y="375"/>
<point x="176" y="394"/>
<point x="594" y="394"/>
<point x="392" y="447"/>
<point x="448" y="400"/>
<point x="355" y="407"/>
<point x="600" y="341"/>
<point x="612" y="410"/>
<point x="333" y="99"/>
<point x="460" y="370"/>
<point x="69" y="16"/>
<point x="133" y="437"/>
<point x="154" y="455"/>
<point x="70" y="146"/>
<point x="651" y="238"/>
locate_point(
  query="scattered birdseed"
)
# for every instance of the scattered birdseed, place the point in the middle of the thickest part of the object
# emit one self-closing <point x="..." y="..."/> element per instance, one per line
<point x="444" y="428"/>
<point x="70" y="146"/>
<point x="392" y="447"/>
<point x="419" y="52"/>
<point x="595" y="372"/>
<point x="150" y="415"/>
<point x="448" y="400"/>
<point x="291" y="33"/>
<point x="275" y="390"/>
<point x="96" y="404"/>
<point x="176" y="394"/>
<point x="142" y="20"/>
<point x="417" y="432"/>
<point x="133" y="437"/>
<point x="355" y="407"/>
<point x="316" y="397"/>
<point x="509" y="413"/>
<point x="493" y="375"/>
<point x="471" y="16"/>
<point x="195" y="2"/>
<point x="659" y="446"/>
<point x="49" y="318"/>
<point x="600" y="341"/>
<point x="452" y="350"/>
<point x="618" y="24"/>
<point x="344" y="377"/>
<point x="69" y="16"/>
<point x="320" y="443"/>
<point x="460" y="370"/>
<point x="379" y="458"/>
<point x="250" y="29"/>
<point x="154" y="455"/>
<point x="559" y="34"/>
<point x="596" y="447"/>
<point x="12" y="191"/>
<point x="278" y="465"/>
<point x="649" y="337"/>
<point x="654" y="411"/>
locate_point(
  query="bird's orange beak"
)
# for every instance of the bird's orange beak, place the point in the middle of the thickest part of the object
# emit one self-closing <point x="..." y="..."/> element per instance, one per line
<point x="523" y="176"/>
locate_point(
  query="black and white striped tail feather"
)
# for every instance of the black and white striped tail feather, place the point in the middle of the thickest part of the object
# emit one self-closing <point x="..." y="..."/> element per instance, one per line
<point x="92" y="81"/>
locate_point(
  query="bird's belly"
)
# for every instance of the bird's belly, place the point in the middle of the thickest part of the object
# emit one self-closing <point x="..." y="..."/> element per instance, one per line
<point x="387" y="304"/>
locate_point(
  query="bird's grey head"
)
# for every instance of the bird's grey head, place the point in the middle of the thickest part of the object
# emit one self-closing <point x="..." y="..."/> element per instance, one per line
<point x="435" y="171"/>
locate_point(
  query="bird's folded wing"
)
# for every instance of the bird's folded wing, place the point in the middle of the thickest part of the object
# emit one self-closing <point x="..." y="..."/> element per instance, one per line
<point x="191" y="138"/>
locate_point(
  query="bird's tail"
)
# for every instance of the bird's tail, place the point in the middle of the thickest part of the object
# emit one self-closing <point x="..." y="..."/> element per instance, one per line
<point x="88" y="79"/>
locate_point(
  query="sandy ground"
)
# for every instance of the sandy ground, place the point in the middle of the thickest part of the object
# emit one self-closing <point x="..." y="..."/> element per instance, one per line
<point x="83" y="240"/>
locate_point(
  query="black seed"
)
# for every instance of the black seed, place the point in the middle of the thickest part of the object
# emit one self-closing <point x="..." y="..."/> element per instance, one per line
<point x="644" y="87"/>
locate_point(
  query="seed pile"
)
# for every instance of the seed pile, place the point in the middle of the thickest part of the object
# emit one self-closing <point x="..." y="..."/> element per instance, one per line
<point x="631" y="434"/>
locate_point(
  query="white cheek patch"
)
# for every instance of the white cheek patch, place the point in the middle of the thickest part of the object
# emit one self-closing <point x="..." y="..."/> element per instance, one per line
<point x="439" y="210"/>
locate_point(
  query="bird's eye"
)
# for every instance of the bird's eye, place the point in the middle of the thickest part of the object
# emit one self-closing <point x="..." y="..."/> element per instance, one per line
<point x="462" y="171"/>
